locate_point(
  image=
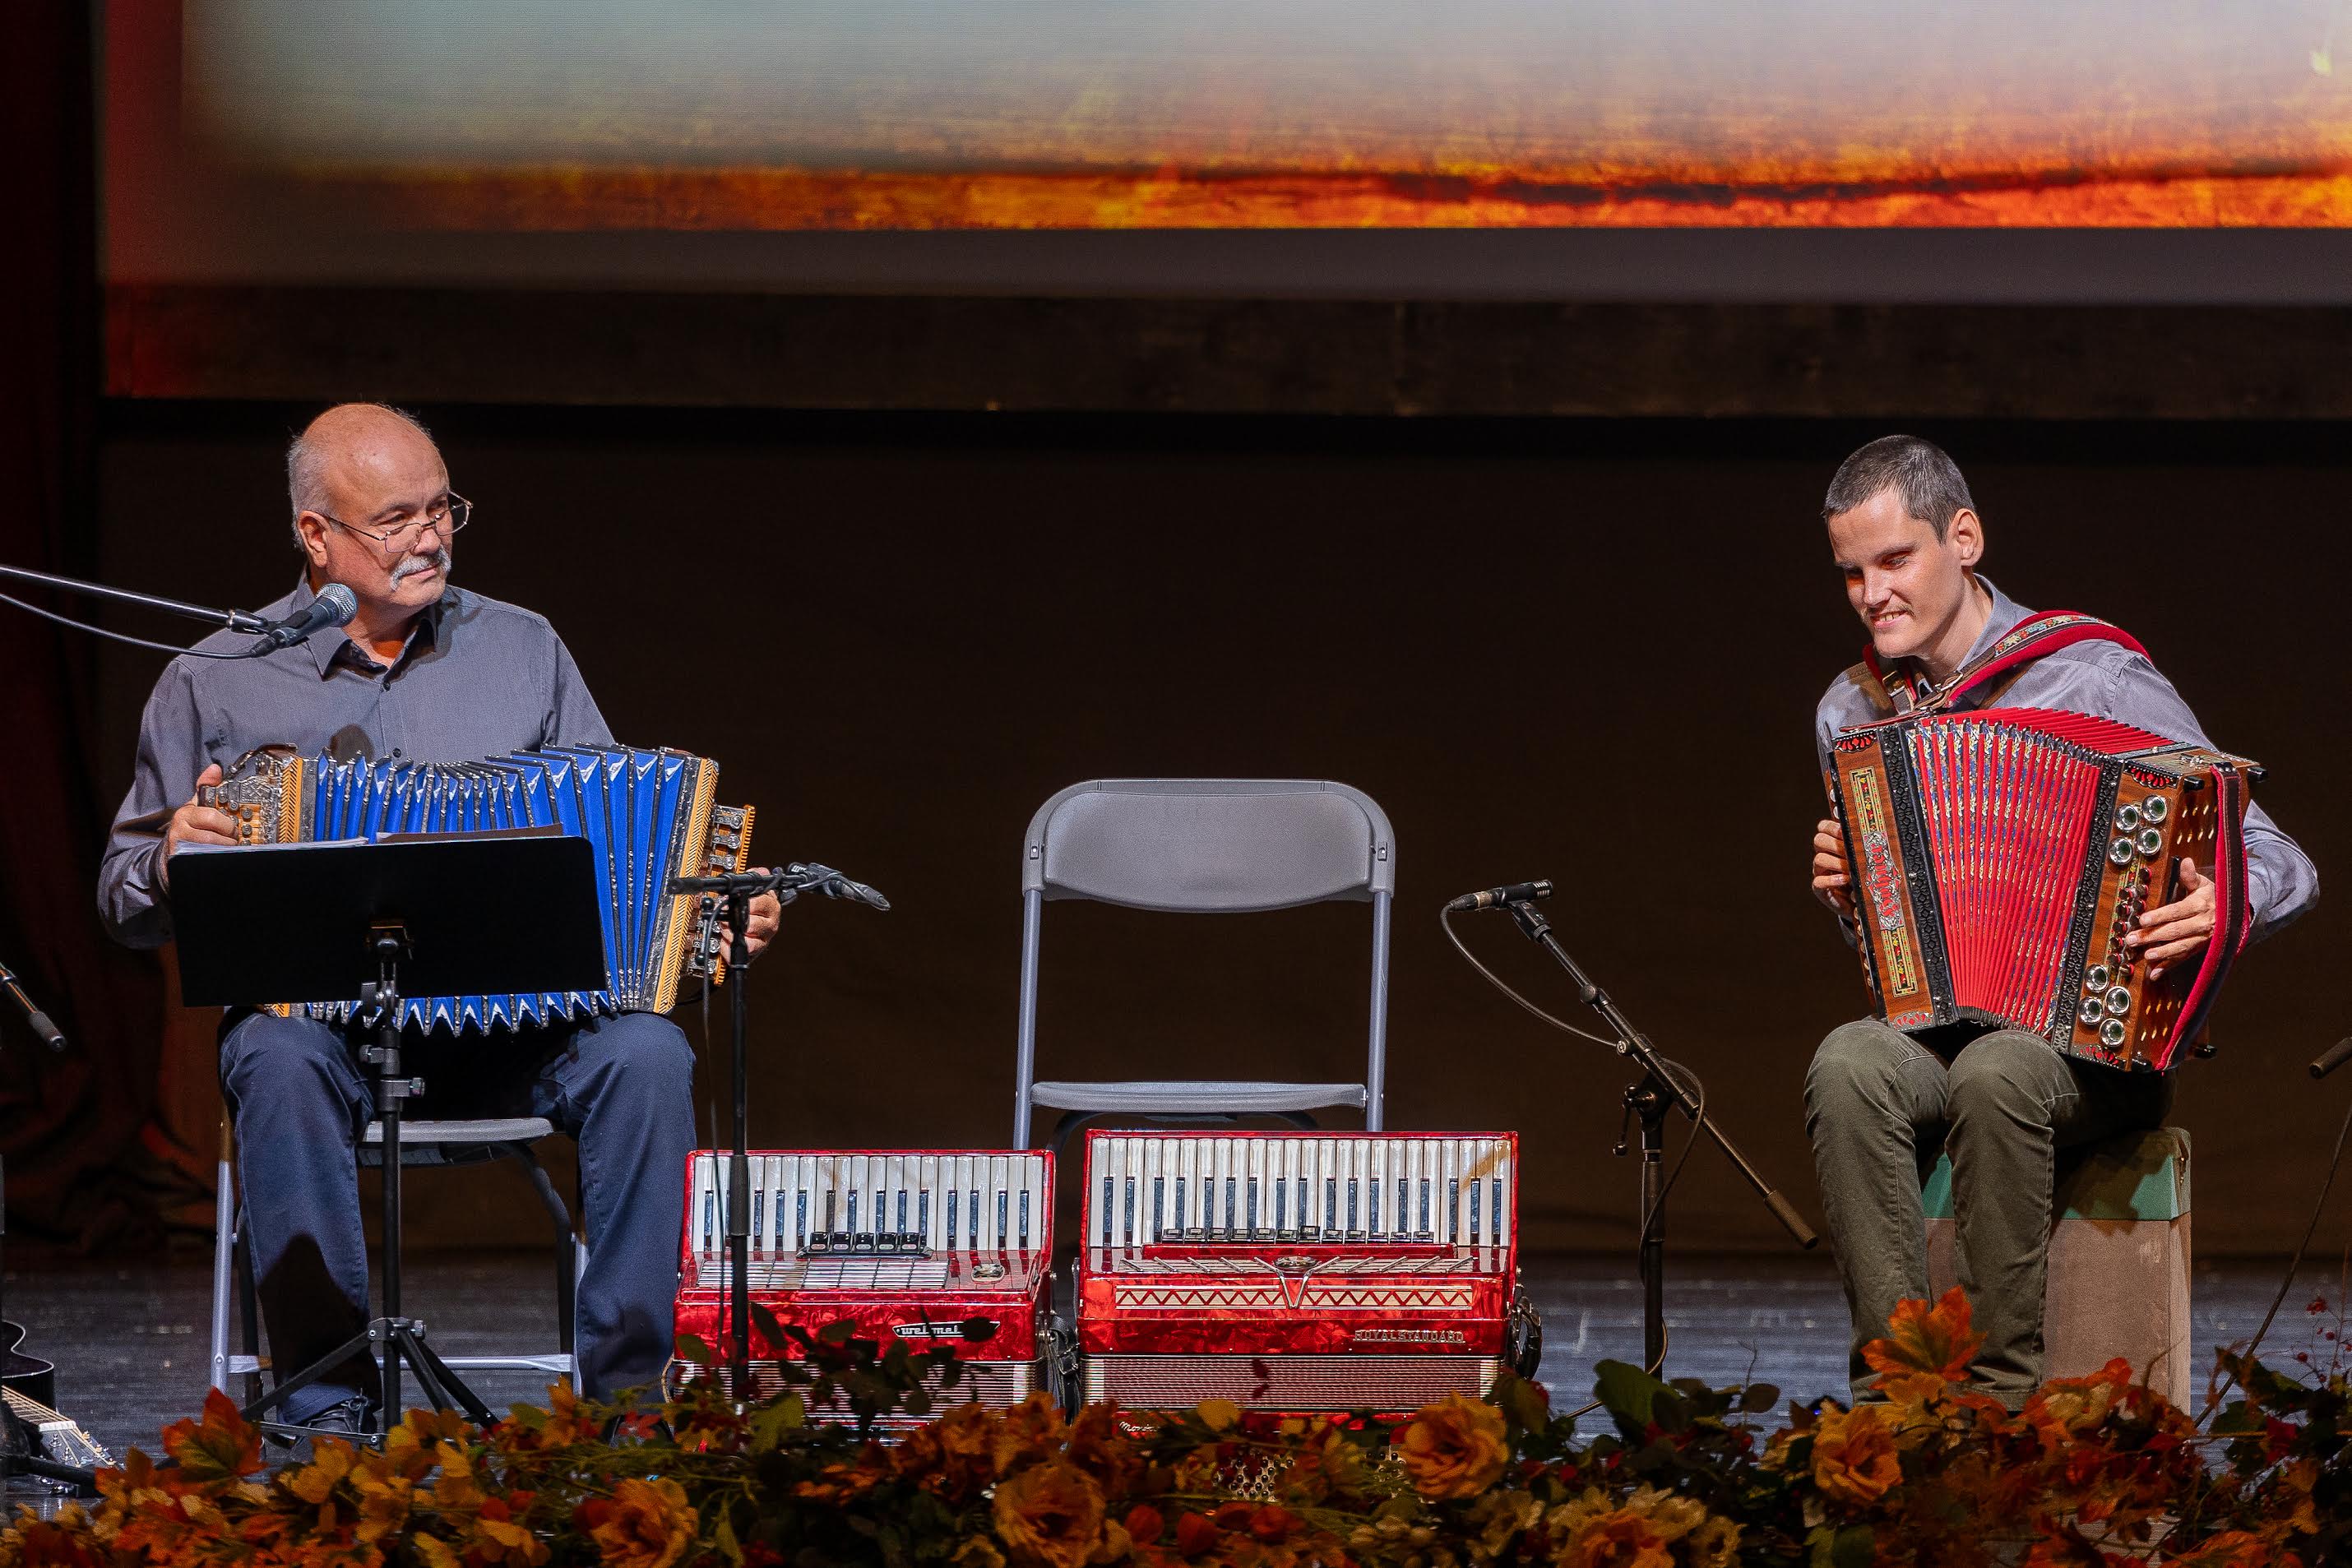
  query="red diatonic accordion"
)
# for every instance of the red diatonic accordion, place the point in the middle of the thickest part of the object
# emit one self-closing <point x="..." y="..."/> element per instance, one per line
<point x="2000" y="856"/>
<point x="1300" y="1271"/>
<point x="900" y="1243"/>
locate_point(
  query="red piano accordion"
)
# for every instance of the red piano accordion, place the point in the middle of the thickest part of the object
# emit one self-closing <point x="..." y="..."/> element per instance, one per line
<point x="1299" y="1273"/>
<point x="1998" y="857"/>
<point x="907" y="1243"/>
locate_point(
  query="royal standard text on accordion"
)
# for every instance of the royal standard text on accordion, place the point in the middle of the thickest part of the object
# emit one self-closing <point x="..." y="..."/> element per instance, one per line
<point x="649" y="815"/>
<point x="904" y="1244"/>
<point x="1300" y="1271"/>
<point x="1999" y="857"/>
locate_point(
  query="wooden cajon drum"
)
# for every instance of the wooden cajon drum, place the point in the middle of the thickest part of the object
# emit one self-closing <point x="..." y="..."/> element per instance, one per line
<point x="2118" y="1258"/>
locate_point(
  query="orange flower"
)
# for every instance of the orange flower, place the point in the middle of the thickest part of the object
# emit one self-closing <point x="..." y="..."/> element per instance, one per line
<point x="1854" y="1460"/>
<point x="1145" y="1522"/>
<point x="2064" y="1408"/>
<point x="1096" y="1445"/>
<point x="1453" y="1449"/>
<point x="1620" y="1540"/>
<point x="1026" y="1433"/>
<point x="1923" y="1339"/>
<point x="646" y="1524"/>
<point x="1049" y="1515"/>
<point x="1594" y="1532"/>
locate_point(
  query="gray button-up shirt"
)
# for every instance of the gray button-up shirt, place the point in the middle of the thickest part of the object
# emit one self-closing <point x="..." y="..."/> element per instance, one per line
<point x="477" y="678"/>
<point x="2108" y="680"/>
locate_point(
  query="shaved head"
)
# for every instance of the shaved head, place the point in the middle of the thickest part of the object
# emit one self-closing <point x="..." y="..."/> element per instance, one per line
<point x="348" y="435"/>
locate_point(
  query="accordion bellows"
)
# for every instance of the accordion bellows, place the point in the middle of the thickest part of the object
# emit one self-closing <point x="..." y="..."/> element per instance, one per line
<point x="647" y="815"/>
<point x="1999" y="857"/>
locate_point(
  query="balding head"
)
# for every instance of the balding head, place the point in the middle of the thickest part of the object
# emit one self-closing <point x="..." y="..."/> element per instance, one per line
<point x="348" y="440"/>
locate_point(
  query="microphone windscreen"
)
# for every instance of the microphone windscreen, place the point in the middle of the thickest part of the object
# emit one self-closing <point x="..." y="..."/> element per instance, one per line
<point x="344" y="603"/>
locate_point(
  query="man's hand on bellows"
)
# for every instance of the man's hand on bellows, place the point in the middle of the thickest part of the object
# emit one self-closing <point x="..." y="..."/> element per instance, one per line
<point x="2178" y="929"/>
<point x="195" y="824"/>
<point x="1832" y="885"/>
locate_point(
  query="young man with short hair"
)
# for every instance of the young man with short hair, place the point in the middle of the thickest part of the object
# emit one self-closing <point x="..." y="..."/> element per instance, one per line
<point x="1879" y="1101"/>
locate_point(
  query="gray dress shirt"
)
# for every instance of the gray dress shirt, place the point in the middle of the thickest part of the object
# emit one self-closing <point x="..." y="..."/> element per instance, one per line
<point x="477" y="678"/>
<point x="2110" y="682"/>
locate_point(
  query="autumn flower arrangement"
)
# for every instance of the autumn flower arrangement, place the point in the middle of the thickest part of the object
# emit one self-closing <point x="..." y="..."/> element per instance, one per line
<point x="2094" y="1471"/>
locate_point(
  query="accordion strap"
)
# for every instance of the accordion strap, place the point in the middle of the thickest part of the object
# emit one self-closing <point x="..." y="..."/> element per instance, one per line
<point x="2029" y="639"/>
<point x="2232" y="913"/>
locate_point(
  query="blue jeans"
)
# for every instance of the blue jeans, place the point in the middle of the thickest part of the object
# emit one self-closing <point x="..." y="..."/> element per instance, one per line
<point x="1880" y="1104"/>
<point x="623" y="1087"/>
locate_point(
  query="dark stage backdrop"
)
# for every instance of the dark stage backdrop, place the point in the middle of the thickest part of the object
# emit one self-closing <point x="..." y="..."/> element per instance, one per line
<point x="1577" y="649"/>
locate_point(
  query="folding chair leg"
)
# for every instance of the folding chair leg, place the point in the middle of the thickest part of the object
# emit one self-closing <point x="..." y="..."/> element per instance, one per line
<point x="567" y="1248"/>
<point x="248" y="1303"/>
<point x="224" y="1247"/>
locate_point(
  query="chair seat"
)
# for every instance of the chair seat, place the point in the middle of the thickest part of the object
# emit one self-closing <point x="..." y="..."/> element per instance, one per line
<point x="454" y="1143"/>
<point x="1175" y="1098"/>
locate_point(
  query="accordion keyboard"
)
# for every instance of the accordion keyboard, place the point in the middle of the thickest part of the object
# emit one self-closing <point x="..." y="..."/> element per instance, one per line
<point x="876" y="1208"/>
<point x="1364" y="1189"/>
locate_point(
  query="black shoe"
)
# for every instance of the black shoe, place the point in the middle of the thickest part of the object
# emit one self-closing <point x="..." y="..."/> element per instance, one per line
<point x="353" y="1420"/>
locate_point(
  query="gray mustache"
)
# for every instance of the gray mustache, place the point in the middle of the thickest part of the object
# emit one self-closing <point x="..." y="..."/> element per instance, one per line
<point x="414" y="564"/>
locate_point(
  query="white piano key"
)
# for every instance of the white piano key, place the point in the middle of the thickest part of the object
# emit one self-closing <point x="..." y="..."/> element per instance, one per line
<point x="1258" y="1214"/>
<point x="761" y="1166"/>
<point x="995" y="1216"/>
<point x="804" y="1212"/>
<point x="1100" y="1191"/>
<point x="1155" y="1200"/>
<point x="1504" y="1191"/>
<point x="1028" y="1218"/>
<point x="705" y="1215"/>
<point x="1457" y="1212"/>
<point x="927" y="1201"/>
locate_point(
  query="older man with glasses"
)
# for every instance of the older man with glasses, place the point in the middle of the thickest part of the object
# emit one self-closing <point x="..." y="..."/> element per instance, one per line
<point x="428" y="673"/>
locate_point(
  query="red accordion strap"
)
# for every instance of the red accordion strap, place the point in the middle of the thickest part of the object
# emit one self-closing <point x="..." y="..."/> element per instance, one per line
<point x="2030" y="639"/>
<point x="2232" y="912"/>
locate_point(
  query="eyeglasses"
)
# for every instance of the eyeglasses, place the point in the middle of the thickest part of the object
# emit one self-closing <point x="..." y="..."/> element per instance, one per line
<point x="445" y="516"/>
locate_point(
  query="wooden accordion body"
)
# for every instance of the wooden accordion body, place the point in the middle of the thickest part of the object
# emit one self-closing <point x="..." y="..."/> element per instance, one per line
<point x="2000" y="856"/>
<point x="1299" y="1273"/>
<point x="648" y="815"/>
<point x="904" y="1244"/>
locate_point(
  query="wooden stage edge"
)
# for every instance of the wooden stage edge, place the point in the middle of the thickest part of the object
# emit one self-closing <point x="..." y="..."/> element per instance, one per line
<point x="1242" y="356"/>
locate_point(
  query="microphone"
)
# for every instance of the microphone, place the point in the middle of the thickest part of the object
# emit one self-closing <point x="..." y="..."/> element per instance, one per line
<point x="335" y="606"/>
<point x="49" y="1033"/>
<point x="2335" y="1056"/>
<point x="1501" y="897"/>
<point x="833" y="884"/>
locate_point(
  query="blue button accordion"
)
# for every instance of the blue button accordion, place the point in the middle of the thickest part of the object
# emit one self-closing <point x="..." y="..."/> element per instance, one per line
<point x="649" y="816"/>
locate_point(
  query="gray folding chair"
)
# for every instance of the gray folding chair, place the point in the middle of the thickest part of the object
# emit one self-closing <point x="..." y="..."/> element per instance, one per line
<point x="1217" y="846"/>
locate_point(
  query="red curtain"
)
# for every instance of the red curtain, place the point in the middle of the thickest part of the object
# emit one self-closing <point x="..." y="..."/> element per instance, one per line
<point x="70" y="1125"/>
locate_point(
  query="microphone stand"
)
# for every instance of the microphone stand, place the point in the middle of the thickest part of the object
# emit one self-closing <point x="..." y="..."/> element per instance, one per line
<point x="1650" y="1098"/>
<point x="232" y="619"/>
<point x="32" y="1461"/>
<point x="738" y="889"/>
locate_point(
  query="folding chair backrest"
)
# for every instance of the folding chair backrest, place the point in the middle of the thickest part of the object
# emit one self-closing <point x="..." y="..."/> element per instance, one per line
<point x="1208" y="846"/>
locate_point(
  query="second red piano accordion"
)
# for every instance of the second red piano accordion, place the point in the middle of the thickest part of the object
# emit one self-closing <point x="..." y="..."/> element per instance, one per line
<point x="1998" y="857"/>
<point x="1299" y="1273"/>
<point x="904" y="1244"/>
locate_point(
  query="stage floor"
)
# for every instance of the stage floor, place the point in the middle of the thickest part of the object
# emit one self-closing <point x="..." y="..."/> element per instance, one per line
<point x="130" y="1339"/>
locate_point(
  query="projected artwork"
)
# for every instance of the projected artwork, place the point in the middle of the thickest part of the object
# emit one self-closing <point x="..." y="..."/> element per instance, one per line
<point x="922" y="114"/>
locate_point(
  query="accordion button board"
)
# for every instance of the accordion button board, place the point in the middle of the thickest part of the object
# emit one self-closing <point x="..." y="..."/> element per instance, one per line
<point x="901" y="1244"/>
<point x="2000" y="857"/>
<point x="1299" y="1272"/>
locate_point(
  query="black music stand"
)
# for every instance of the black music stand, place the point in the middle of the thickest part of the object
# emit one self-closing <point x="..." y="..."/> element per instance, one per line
<point x="443" y="916"/>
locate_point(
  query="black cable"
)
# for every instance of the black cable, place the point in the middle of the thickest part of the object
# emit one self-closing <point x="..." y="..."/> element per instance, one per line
<point x="1683" y="1077"/>
<point x="1446" y="922"/>
<point x="122" y="637"/>
<point x="2335" y="1162"/>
